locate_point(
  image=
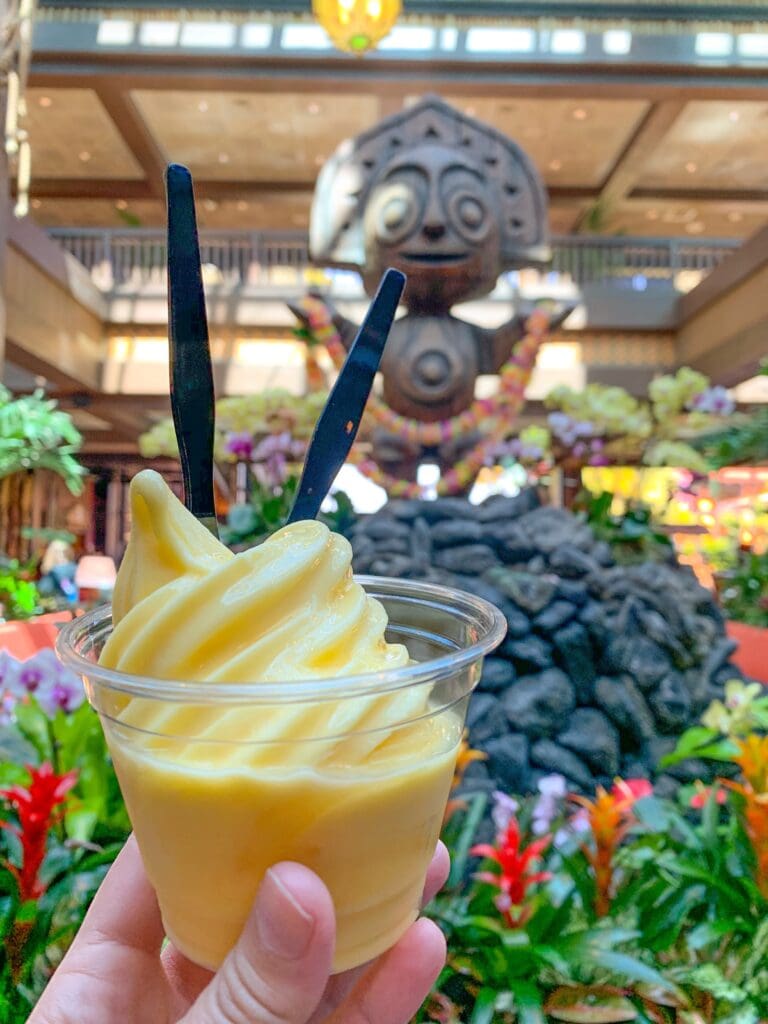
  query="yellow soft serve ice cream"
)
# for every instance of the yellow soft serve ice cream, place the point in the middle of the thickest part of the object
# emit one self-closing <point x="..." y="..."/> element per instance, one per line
<point x="353" y="786"/>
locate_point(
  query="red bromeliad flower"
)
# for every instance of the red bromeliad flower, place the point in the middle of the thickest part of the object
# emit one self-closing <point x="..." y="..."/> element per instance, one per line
<point x="516" y="876"/>
<point x="36" y="808"/>
<point x="704" y="794"/>
<point x="610" y="818"/>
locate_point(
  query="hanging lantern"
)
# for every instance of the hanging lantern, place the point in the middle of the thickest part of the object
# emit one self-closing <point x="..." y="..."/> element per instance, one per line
<point x="357" y="25"/>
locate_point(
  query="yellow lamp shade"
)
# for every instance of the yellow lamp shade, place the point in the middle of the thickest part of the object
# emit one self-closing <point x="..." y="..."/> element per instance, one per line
<point x="357" y="25"/>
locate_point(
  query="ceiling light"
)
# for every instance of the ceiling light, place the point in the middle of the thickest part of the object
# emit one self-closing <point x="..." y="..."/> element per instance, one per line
<point x="470" y="111"/>
<point x="84" y="156"/>
<point x="210" y="205"/>
<point x="360" y="25"/>
<point x="691" y="167"/>
<point x="223" y="158"/>
<point x="617" y="42"/>
<point x="409" y="37"/>
<point x="580" y="114"/>
<point x="753" y="44"/>
<point x="159" y="33"/>
<point x="115" y="32"/>
<point x="735" y="217"/>
<point x="121" y="204"/>
<point x="713" y="44"/>
<point x="256" y="36"/>
<point x="449" y="38"/>
<point x="501" y="40"/>
<point x="45" y="101"/>
<point x="212" y="35"/>
<point x="734" y="115"/>
<point x="202" y="106"/>
<point x="568" y="40"/>
<point x="36" y="204"/>
<point x="313" y="108"/>
<point x="695" y="227"/>
<point x="242" y="205"/>
<point x="555" y="165"/>
<point x="305" y="37"/>
<point x="652" y="215"/>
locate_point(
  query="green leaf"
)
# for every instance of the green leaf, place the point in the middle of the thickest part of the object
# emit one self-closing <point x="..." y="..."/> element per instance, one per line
<point x="584" y="1006"/>
<point x="629" y="968"/>
<point x="688" y="745"/>
<point x="460" y="854"/>
<point x="710" y="932"/>
<point x="528" y="1001"/>
<point x="33" y="724"/>
<point x="485" y="1003"/>
<point x="15" y="748"/>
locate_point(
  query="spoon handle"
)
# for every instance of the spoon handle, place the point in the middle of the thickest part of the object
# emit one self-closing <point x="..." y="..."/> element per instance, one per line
<point x="192" y="394"/>
<point x="339" y="421"/>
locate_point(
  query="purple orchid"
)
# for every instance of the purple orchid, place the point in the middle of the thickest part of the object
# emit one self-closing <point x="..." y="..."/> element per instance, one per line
<point x="504" y="809"/>
<point x="715" y="401"/>
<point x="239" y="444"/>
<point x="552" y="790"/>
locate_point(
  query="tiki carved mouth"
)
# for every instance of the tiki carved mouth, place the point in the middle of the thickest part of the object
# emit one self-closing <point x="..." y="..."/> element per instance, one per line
<point x="434" y="257"/>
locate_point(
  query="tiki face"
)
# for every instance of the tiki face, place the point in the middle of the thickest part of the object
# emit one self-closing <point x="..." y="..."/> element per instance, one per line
<point x="431" y="216"/>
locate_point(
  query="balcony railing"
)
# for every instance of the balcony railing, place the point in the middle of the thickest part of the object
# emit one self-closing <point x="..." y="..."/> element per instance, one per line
<point x="137" y="257"/>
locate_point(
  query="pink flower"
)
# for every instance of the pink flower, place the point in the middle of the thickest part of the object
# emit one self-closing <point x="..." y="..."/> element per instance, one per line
<point x="703" y="795"/>
<point x="240" y="445"/>
<point x="626" y="792"/>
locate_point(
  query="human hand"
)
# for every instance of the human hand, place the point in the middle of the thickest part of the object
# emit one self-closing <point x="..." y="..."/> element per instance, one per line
<point x="278" y="973"/>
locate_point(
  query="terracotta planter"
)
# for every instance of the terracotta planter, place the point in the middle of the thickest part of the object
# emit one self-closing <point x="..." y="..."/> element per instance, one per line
<point x="23" y="639"/>
<point x="752" y="653"/>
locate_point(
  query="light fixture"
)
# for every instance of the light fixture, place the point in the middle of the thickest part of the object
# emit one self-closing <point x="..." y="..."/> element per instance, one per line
<point x="568" y="40"/>
<point x="470" y="111"/>
<point x="713" y="44"/>
<point x="691" y="167"/>
<point x="45" y="101"/>
<point x="121" y="204"/>
<point x="501" y="40"/>
<point x="734" y="115"/>
<point x="735" y="217"/>
<point x="580" y="114"/>
<point x="36" y="204"/>
<point x="652" y="215"/>
<point x="695" y="227"/>
<point x="223" y="158"/>
<point x="555" y="165"/>
<point x="617" y="42"/>
<point x="313" y="108"/>
<point x="210" y="205"/>
<point x="202" y="106"/>
<point x="357" y="25"/>
<point x="242" y="205"/>
<point x="84" y="156"/>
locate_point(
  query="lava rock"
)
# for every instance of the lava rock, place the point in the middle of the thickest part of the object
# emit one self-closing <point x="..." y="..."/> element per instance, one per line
<point x="529" y="592"/>
<point x="554" y="616"/>
<point x="386" y="529"/>
<point x="602" y="554"/>
<point x="625" y="705"/>
<point x="402" y="510"/>
<point x="638" y="657"/>
<point x="452" y="532"/>
<point x="671" y="704"/>
<point x="595" y="739"/>
<point x="567" y="560"/>
<point x="540" y="705"/>
<point x="593" y="616"/>
<point x="447" y="508"/>
<point x="573" y="591"/>
<point x="518" y="624"/>
<point x="466" y="558"/>
<point x="718" y="657"/>
<point x="508" y="761"/>
<point x="502" y="508"/>
<point x="392" y="565"/>
<point x="392" y="546"/>
<point x="421" y="546"/>
<point x="574" y="654"/>
<point x="498" y="674"/>
<point x="553" y="758"/>
<point x="485" y="718"/>
<point x="530" y="652"/>
<point x="479" y="587"/>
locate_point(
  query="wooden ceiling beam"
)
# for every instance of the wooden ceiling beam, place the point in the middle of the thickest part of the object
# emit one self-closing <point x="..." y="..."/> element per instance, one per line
<point x="132" y="188"/>
<point x="630" y="163"/>
<point x="120" y="106"/>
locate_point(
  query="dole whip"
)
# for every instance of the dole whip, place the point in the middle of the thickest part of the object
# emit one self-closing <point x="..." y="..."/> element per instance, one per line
<point x="354" y="787"/>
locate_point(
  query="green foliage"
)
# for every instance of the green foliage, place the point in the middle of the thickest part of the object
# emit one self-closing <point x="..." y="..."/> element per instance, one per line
<point x="19" y="596"/>
<point x="36" y="434"/>
<point x="745" y="595"/>
<point x="633" y="536"/>
<point x="34" y="935"/>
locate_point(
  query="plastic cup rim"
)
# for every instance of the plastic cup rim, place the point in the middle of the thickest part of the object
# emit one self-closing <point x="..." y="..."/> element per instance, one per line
<point x="489" y="619"/>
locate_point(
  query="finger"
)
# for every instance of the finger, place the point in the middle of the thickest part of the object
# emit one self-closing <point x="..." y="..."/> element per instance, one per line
<point x="279" y="968"/>
<point x="187" y="980"/>
<point x="125" y="909"/>
<point x="437" y="874"/>
<point x="395" y="987"/>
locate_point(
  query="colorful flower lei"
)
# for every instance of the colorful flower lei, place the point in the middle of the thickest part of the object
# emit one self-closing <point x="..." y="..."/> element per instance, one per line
<point x="491" y="416"/>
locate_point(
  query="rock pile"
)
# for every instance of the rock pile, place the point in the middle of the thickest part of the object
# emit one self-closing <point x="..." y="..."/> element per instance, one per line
<point x="603" y="665"/>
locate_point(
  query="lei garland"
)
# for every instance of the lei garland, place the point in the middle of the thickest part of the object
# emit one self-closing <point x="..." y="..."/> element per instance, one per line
<point x="492" y="416"/>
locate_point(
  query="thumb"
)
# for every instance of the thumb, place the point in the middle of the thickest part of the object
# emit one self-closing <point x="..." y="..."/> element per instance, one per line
<point x="277" y="972"/>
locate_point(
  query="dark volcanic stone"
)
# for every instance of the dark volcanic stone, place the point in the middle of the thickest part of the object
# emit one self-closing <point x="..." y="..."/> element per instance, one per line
<point x="447" y="508"/>
<point x="554" y="616"/>
<point x="567" y="560"/>
<point x="593" y="616"/>
<point x="477" y="778"/>
<point x="479" y="587"/>
<point x="573" y="591"/>
<point x="392" y="565"/>
<point x="639" y="657"/>
<point x="498" y="674"/>
<point x="485" y="718"/>
<point x="623" y="703"/>
<point x="530" y="652"/>
<point x="540" y="705"/>
<point x="421" y="546"/>
<point x="518" y="624"/>
<point x="602" y="554"/>
<point x="386" y="529"/>
<point x="531" y="593"/>
<point x="575" y="656"/>
<point x="508" y="761"/>
<point x="392" y="546"/>
<point x="450" y="532"/>
<point x="404" y="511"/>
<point x="671" y="704"/>
<point x="501" y="508"/>
<point x="718" y="657"/>
<point x="466" y="558"/>
<point x="551" y="757"/>
<point x="594" y="738"/>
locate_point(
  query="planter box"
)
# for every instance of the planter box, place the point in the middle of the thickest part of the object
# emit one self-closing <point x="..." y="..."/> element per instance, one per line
<point x="23" y="639"/>
<point x="752" y="653"/>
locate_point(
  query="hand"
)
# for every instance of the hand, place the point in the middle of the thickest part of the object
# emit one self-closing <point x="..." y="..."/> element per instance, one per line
<point x="278" y="973"/>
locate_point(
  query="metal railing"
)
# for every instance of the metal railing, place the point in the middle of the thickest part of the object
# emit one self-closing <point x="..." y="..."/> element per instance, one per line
<point x="117" y="258"/>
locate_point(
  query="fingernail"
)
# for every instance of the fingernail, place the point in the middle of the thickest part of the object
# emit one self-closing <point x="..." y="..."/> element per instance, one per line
<point x="285" y="928"/>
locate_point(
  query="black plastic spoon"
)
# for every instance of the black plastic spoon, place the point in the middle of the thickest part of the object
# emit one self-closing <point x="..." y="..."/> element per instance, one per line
<point x="192" y="394"/>
<point x="339" y="421"/>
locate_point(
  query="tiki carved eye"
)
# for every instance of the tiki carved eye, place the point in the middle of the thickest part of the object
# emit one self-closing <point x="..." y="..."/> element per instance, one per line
<point x="397" y="205"/>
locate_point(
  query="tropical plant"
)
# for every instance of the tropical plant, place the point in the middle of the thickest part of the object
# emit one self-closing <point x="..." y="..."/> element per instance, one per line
<point x="633" y="536"/>
<point x="36" y="434"/>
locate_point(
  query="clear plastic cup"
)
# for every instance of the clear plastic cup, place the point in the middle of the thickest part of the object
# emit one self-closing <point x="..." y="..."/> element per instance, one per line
<point x="349" y="776"/>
